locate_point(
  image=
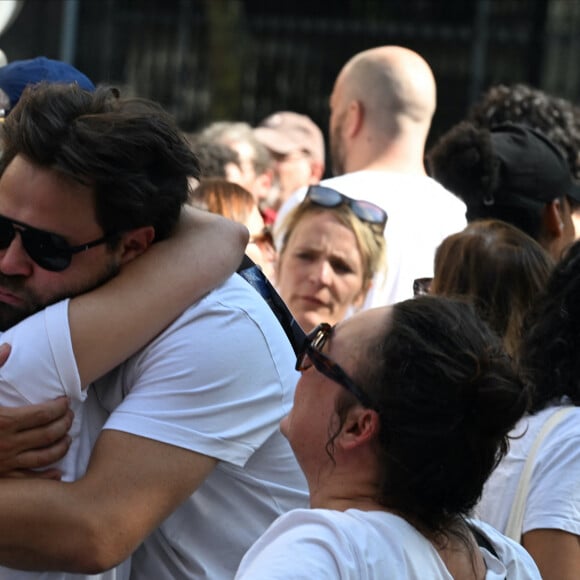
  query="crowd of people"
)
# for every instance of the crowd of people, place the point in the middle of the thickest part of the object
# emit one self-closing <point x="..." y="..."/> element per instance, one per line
<point x="422" y="422"/>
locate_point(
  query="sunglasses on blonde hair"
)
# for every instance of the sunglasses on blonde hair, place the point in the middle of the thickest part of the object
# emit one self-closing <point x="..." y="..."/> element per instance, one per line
<point x="364" y="210"/>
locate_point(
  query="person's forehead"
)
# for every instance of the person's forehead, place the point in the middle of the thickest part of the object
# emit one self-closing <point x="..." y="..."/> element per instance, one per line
<point x="358" y="329"/>
<point x="45" y="199"/>
<point x="244" y="150"/>
<point x="323" y="223"/>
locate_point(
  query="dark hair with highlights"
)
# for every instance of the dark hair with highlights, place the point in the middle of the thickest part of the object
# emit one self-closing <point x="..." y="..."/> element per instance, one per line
<point x="551" y="343"/>
<point x="129" y="151"/>
<point x="447" y="395"/>
<point x="499" y="269"/>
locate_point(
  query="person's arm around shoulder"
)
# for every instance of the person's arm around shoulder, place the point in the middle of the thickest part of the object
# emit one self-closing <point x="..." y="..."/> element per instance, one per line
<point x="132" y="483"/>
<point x="114" y="321"/>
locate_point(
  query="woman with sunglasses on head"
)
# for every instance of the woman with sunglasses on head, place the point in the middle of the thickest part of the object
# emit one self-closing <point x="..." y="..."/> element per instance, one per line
<point x="60" y="350"/>
<point x="399" y="417"/>
<point x="331" y="249"/>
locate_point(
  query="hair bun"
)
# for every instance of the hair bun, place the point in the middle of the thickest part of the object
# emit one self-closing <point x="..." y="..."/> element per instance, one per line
<point x="463" y="162"/>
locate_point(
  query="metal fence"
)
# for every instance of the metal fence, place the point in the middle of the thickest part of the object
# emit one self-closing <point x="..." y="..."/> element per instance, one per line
<point x="231" y="59"/>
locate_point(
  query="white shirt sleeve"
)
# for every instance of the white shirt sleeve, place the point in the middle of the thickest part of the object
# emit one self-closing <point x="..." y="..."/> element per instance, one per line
<point x="41" y="365"/>
<point x="300" y="546"/>
<point x="217" y="382"/>
<point x="554" y="495"/>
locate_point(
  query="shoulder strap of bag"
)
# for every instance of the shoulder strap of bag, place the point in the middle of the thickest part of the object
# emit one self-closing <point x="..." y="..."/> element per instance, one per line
<point x="516" y="518"/>
<point x="482" y="540"/>
<point x="256" y="278"/>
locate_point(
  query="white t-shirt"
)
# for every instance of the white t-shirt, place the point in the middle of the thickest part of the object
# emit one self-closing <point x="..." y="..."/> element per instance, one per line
<point x="41" y="367"/>
<point x="554" y="493"/>
<point x="421" y="214"/>
<point x="218" y="381"/>
<point x="359" y="545"/>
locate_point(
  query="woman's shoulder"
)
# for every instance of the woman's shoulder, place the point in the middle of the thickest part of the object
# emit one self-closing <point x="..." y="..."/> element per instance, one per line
<point x="351" y="543"/>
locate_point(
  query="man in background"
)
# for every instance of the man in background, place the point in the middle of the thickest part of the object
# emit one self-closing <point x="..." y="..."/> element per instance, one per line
<point x="381" y="106"/>
<point x="296" y="144"/>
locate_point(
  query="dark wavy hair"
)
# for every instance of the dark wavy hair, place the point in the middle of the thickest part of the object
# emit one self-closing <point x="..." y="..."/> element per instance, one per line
<point x="129" y="151"/>
<point x="551" y="342"/>
<point x="497" y="267"/>
<point x="462" y="160"/>
<point x="447" y="395"/>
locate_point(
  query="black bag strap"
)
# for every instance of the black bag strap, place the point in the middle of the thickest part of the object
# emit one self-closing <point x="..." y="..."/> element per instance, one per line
<point x="256" y="278"/>
<point x="482" y="540"/>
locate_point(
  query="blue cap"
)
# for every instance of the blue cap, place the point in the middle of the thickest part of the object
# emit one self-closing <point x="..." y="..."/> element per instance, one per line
<point x="17" y="75"/>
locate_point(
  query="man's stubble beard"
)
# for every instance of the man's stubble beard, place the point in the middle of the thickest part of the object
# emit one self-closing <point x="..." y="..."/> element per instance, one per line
<point x="337" y="155"/>
<point x="10" y="315"/>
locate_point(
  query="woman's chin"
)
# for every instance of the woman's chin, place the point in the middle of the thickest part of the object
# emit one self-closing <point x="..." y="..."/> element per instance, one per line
<point x="309" y="320"/>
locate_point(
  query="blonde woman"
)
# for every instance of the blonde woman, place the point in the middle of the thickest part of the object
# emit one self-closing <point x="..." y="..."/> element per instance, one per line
<point x="331" y="249"/>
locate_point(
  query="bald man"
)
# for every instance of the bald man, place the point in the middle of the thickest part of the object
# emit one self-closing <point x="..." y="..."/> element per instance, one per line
<point x="381" y="109"/>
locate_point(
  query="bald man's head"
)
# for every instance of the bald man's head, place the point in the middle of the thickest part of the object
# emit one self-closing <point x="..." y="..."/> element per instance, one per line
<point x="393" y="83"/>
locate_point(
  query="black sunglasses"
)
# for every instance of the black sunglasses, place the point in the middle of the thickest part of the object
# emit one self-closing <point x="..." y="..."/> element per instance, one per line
<point x="422" y="286"/>
<point x="364" y="210"/>
<point x="50" y="251"/>
<point x="312" y="353"/>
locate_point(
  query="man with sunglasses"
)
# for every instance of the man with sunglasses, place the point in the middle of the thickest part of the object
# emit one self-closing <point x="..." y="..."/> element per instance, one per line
<point x="381" y="109"/>
<point x="190" y="467"/>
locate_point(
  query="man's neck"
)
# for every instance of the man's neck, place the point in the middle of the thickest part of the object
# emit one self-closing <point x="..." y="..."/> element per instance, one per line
<point x="401" y="156"/>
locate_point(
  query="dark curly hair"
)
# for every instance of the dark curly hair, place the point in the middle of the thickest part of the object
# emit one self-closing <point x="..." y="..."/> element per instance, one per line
<point x="557" y="118"/>
<point x="447" y="395"/>
<point x="129" y="151"/>
<point x="551" y="343"/>
<point x="463" y="161"/>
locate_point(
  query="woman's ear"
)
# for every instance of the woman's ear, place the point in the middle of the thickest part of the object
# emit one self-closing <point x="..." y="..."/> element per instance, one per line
<point x="360" y="428"/>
